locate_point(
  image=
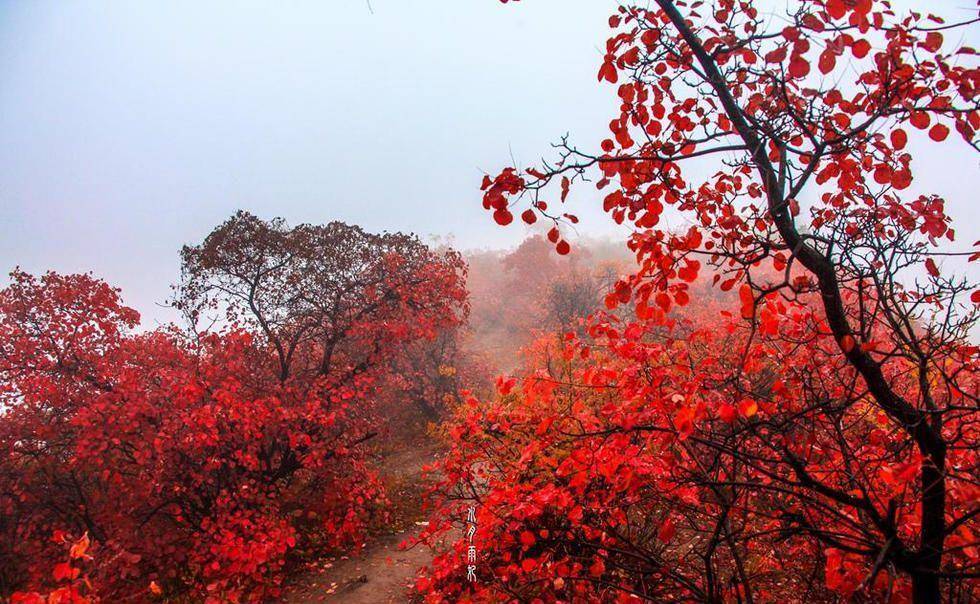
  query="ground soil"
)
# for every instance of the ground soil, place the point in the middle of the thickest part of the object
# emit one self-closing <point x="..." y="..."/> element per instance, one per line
<point x="382" y="571"/>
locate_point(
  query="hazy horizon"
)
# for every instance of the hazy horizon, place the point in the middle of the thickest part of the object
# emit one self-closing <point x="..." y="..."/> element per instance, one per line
<point x="130" y="129"/>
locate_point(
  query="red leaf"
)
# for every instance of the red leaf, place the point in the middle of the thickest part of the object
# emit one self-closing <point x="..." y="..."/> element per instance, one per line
<point x="933" y="41"/>
<point x="827" y="61"/>
<point x="748" y="301"/>
<point x="776" y="56"/>
<point x="608" y="72"/>
<point x="597" y="568"/>
<point x="861" y="48"/>
<point x="689" y="272"/>
<point x="939" y="132"/>
<point x="64" y="571"/>
<point x="503" y="217"/>
<point x="899" y="138"/>
<point x="798" y="67"/>
<point x="505" y="386"/>
<point x="920" y="119"/>
<point x="836" y="9"/>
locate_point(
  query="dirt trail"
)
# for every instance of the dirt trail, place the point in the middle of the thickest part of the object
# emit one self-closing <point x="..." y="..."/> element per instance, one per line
<point x="380" y="572"/>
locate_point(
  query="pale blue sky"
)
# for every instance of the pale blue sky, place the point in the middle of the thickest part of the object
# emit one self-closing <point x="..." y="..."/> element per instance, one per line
<point x="129" y="128"/>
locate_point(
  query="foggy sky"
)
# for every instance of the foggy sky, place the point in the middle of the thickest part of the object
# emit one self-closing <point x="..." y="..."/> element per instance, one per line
<point x="130" y="128"/>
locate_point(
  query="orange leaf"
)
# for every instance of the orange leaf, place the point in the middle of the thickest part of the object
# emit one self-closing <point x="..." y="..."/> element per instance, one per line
<point x="748" y="407"/>
<point x="80" y="547"/>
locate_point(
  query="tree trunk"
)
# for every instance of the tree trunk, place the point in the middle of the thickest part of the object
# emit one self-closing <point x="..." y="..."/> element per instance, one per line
<point x="925" y="580"/>
<point x="925" y="588"/>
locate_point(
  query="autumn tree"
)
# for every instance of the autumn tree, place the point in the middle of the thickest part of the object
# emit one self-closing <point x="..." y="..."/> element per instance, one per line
<point x="572" y="297"/>
<point x="829" y="422"/>
<point x="329" y="299"/>
<point x="515" y="294"/>
<point x="429" y="374"/>
<point x="205" y="463"/>
<point x="183" y="458"/>
<point x="505" y="292"/>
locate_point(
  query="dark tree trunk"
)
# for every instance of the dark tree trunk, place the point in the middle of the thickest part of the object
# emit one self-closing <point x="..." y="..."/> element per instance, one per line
<point x="925" y="579"/>
<point x="925" y="588"/>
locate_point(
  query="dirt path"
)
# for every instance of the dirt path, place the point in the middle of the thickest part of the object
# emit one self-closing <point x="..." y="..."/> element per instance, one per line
<point x="381" y="572"/>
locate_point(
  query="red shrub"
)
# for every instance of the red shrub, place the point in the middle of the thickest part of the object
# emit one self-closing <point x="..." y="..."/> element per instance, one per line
<point x="187" y="459"/>
<point x="687" y="460"/>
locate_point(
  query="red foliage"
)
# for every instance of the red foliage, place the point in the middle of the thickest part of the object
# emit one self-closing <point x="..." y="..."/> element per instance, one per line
<point x="634" y="463"/>
<point x="184" y="459"/>
<point x="814" y="440"/>
<point x="194" y="463"/>
<point x="71" y="583"/>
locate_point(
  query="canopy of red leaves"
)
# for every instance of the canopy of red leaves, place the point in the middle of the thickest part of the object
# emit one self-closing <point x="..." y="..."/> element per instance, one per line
<point x="196" y="465"/>
<point x="813" y="438"/>
<point x="678" y="461"/>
